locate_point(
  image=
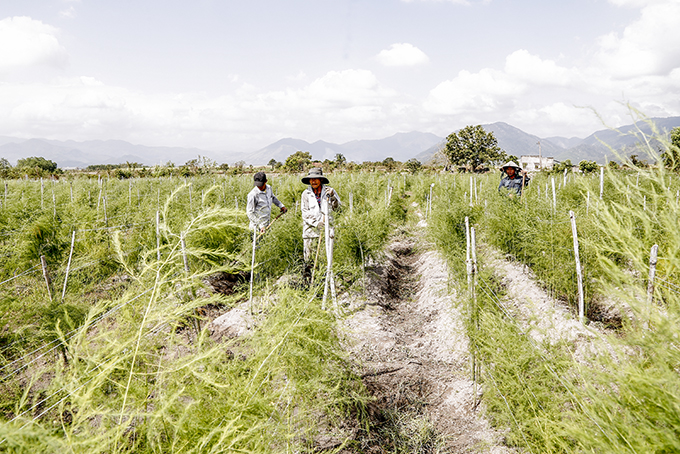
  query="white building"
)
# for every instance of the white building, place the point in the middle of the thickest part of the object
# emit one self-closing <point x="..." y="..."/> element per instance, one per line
<point x="534" y="162"/>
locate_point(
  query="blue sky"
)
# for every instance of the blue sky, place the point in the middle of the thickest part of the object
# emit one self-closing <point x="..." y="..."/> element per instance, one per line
<point x="237" y="75"/>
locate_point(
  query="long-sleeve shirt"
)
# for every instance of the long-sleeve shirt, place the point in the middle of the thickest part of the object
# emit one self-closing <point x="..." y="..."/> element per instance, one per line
<point x="259" y="206"/>
<point x="514" y="184"/>
<point x="313" y="210"/>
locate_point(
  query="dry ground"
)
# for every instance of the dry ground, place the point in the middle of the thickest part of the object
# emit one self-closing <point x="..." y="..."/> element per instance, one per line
<point x="410" y="348"/>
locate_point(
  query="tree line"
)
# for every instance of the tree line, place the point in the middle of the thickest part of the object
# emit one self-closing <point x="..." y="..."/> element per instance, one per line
<point x="471" y="149"/>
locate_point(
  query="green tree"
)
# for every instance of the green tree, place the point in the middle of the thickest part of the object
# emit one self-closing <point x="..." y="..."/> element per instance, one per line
<point x="389" y="163"/>
<point x="560" y="167"/>
<point x="413" y="165"/>
<point x="472" y="147"/>
<point x="671" y="156"/>
<point x="274" y="164"/>
<point x="37" y="163"/>
<point x="586" y="166"/>
<point x="298" y="161"/>
<point x="340" y="160"/>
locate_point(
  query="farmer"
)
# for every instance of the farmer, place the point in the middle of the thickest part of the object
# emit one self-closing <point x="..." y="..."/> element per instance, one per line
<point x="314" y="204"/>
<point x="259" y="205"/>
<point x="514" y="180"/>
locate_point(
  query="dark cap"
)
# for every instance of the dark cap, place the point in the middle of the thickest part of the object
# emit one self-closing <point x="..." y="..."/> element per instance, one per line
<point x="259" y="179"/>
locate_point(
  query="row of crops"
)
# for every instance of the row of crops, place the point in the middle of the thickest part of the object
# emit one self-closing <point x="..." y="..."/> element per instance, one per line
<point x="551" y="397"/>
<point x="116" y="356"/>
<point x="113" y="355"/>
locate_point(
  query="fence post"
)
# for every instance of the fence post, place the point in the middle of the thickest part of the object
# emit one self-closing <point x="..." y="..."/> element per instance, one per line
<point x="579" y="273"/>
<point x="46" y="275"/>
<point x="68" y="266"/>
<point x="601" y="181"/>
<point x="653" y="258"/>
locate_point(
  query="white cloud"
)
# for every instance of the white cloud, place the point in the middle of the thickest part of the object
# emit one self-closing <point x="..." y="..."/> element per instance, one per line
<point x="485" y="91"/>
<point x="70" y="12"/>
<point x="456" y="2"/>
<point x="402" y="54"/>
<point x="335" y="106"/>
<point x="532" y="69"/>
<point x="25" y="42"/>
<point x="648" y="46"/>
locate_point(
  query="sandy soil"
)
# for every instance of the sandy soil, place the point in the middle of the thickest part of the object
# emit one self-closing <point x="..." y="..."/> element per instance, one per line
<point x="411" y="351"/>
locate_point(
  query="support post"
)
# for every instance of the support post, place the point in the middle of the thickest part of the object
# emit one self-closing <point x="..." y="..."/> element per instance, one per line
<point x="579" y="273"/>
<point x="601" y="181"/>
<point x="158" y="235"/>
<point x="653" y="258"/>
<point x="68" y="266"/>
<point x="252" y="271"/>
<point x="46" y="275"/>
<point x="552" y="179"/>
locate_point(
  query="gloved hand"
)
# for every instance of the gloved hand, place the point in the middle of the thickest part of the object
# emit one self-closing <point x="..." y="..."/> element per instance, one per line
<point x="284" y="209"/>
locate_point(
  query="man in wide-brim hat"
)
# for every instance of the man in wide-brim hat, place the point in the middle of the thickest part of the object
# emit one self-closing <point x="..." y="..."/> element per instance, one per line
<point x="316" y="200"/>
<point x="515" y="178"/>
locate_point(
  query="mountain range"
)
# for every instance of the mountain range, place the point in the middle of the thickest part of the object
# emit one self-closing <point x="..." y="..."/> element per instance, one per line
<point x="401" y="147"/>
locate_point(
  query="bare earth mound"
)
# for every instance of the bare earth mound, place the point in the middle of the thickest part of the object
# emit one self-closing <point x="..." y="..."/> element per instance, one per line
<point x="410" y="349"/>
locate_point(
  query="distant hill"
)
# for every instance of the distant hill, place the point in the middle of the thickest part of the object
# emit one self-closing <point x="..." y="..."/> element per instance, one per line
<point x="401" y="147"/>
<point x="513" y="140"/>
<point x="517" y="142"/>
<point x="82" y="154"/>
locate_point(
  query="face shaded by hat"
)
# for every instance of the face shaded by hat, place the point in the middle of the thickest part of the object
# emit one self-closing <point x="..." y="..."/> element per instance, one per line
<point x="315" y="173"/>
<point x="259" y="179"/>
<point x="511" y="164"/>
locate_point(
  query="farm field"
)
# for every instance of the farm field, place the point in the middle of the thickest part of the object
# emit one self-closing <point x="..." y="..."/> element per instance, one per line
<point x="112" y="345"/>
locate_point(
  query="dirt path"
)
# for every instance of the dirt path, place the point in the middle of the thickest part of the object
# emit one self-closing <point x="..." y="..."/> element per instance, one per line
<point x="410" y="348"/>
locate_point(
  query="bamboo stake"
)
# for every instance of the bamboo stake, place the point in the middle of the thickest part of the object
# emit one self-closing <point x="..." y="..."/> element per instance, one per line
<point x="46" y="275"/>
<point x="158" y="235"/>
<point x="68" y="266"/>
<point x="252" y="271"/>
<point x="653" y="258"/>
<point x="579" y="272"/>
<point x="554" y="193"/>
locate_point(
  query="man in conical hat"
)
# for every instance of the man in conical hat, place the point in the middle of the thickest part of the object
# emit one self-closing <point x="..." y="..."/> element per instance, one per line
<point x="515" y="178"/>
<point x="315" y="198"/>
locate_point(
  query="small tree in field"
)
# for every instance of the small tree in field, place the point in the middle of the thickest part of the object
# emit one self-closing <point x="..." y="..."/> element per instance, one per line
<point x="588" y="166"/>
<point x="413" y="165"/>
<point x="298" y="161"/>
<point x="472" y="147"/>
<point x="671" y="157"/>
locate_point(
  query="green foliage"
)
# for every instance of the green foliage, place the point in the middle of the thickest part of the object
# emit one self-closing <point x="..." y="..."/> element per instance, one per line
<point x="671" y="155"/>
<point x="560" y="167"/>
<point x="472" y="147"/>
<point x="298" y="161"/>
<point x="413" y="165"/>
<point x="37" y="163"/>
<point x="588" y="166"/>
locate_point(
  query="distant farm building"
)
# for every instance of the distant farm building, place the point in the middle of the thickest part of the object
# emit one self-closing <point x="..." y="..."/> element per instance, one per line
<point x="535" y="162"/>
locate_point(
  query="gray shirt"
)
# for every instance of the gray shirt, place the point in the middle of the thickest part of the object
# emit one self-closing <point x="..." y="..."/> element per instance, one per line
<point x="259" y="206"/>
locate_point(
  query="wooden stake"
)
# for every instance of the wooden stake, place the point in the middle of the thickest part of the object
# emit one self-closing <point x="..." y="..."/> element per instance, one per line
<point x="653" y="258"/>
<point x="158" y="235"/>
<point x="46" y="275"/>
<point x="579" y="273"/>
<point x="68" y="266"/>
